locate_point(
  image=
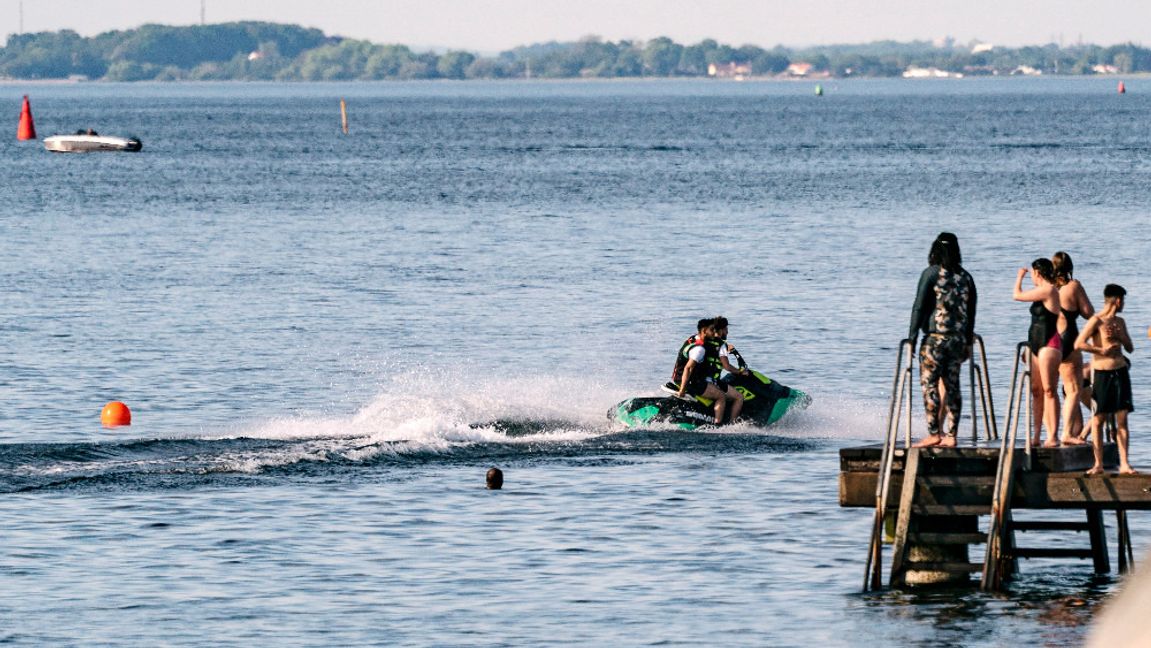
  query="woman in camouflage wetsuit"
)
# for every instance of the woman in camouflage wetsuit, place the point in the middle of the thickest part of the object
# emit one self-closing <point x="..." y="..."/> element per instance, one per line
<point x="945" y="311"/>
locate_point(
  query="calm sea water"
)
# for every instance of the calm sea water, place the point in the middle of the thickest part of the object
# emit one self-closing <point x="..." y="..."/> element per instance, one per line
<point x="327" y="340"/>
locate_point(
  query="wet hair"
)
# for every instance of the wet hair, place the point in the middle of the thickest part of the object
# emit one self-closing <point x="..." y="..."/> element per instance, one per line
<point x="703" y="324"/>
<point x="1044" y="268"/>
<point x="719" y="322"/>
<point x="1114" y="291"/>
<point x="1063" y="267"/>
<point x="945" y="252"/>
<point x="495" y="478"/>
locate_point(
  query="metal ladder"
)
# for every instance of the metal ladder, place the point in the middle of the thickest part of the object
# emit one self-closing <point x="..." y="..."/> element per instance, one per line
<point x="902" y="390"/>
<point x="1001" y="560"/>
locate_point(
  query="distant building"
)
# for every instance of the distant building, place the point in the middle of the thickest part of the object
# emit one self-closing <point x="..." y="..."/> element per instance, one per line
<point x="255" y="56"/>
<point x="799" y="69"/>
<point x="1104" y="69"/>
<point x="929" y="73"/>
<point x="1026" y="70"/>
<point x="979" y="48"/>
<point x="729" y="70"/>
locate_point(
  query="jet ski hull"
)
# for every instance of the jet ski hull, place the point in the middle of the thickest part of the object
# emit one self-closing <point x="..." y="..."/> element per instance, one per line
<point x="765" y="402"/>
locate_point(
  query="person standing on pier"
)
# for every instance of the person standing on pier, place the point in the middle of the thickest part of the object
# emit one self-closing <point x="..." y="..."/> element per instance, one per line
<point x="1105" y="338"/>
<point x="1046" y="345"/>
<point x="944" y="311"/>
<point x="1074" y="303"/>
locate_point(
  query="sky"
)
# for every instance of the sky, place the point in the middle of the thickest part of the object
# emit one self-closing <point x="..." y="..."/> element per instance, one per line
<point x="489" y="26"/>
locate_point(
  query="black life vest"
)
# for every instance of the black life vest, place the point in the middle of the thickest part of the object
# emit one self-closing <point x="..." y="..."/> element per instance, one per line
<point x="711" y="358"/>
<point x="711" y="365"/>
<point x="681" y="358"/>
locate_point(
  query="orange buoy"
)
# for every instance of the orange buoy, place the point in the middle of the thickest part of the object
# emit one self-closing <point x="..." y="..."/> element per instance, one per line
<point x="115" y="414"/>
<point x="26" y="130"/>
<point x="1122" y="88"/>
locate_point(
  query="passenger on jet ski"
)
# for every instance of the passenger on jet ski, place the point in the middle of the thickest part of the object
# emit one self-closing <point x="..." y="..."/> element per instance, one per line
<point x="681" y="357"/>
<point x="700" y="357"/>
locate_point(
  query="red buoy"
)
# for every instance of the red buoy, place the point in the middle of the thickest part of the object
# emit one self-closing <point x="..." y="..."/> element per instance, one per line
<point x="1122" y="88"/>
<point x="26" y="130"/>
<point x="115" y="414"/>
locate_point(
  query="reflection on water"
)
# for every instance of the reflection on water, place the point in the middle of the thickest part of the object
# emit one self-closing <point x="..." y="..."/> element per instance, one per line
<point x="1052" y="604"/>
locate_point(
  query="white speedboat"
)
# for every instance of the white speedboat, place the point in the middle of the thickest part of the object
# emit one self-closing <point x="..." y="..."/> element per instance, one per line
<point x="88" y="141"/>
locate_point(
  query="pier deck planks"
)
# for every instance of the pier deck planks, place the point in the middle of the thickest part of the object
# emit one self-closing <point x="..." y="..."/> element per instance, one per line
<point x="1056" y="481"/>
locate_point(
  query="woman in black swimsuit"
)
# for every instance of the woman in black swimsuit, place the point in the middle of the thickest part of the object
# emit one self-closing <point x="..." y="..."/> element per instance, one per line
<point x="1046" y="347"/>
<point x="1074" y="303"/>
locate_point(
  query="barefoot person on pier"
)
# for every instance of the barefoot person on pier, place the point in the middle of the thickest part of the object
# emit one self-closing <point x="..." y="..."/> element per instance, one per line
<point x="945" y="311"/>
<point x="1046" y="345"/>
<point x="1105" y="338"/>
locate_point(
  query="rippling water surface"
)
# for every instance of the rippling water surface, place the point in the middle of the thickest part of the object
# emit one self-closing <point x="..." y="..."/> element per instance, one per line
<point x="327" y="340"/>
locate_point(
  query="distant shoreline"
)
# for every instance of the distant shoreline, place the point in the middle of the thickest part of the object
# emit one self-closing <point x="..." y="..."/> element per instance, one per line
<point x="577" y="80"/>
<point x="263" y="51"/>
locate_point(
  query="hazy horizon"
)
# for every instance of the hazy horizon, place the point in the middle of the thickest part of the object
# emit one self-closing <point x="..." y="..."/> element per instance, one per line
<point x="497" y="25"/>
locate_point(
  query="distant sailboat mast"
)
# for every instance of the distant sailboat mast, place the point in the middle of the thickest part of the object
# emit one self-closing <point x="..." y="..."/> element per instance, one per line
<point x="21" y="16"/>
<point x="202" y="21"/>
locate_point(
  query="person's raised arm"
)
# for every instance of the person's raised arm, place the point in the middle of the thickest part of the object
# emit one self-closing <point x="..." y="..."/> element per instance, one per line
<point x="1038" y="293"/>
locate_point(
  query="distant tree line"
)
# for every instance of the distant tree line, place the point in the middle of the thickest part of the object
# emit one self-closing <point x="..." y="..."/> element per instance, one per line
<point x="269" y="51"/>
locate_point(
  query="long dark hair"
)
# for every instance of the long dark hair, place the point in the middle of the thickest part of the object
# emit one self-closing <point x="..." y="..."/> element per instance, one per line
<point x="945" y="252"/>
<point x="1061" y="262"/>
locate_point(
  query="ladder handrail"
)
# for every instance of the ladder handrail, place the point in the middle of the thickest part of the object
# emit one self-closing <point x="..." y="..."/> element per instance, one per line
<point x="873" y="575"/>
<point x="980" y="374"/>
<point x="1005" y="470"/>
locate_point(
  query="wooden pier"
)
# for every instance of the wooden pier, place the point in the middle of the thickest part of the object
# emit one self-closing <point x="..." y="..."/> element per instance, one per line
<point x="946" y="501"/>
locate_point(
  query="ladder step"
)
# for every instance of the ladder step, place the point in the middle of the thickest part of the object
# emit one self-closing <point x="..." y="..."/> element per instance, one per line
<point x="957" y="480"/>
<point x="1041" y="525"/>
<point x="1020" y="552"/>
<point x="952" y="509"/>
<point x="949" y="567"/>
<point x="947" y="538"/>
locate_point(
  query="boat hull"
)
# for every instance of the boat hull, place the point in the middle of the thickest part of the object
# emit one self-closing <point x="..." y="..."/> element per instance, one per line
<point x="91" y="144"/>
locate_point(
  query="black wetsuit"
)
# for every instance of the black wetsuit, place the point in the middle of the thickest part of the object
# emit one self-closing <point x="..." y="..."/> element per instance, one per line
<point x="923" y="311"/>
<point x="945" y="311"/>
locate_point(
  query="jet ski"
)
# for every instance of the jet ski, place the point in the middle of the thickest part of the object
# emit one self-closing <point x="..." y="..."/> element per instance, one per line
<point x="765" y="401"/>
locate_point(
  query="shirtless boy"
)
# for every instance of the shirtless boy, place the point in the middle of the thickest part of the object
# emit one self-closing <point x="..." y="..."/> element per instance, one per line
<point x="1105" y="338"/>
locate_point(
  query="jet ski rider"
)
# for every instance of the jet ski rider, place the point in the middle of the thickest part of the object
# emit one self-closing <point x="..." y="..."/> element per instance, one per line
<point x="702" y="369"/>
<point x="727" y="351"/>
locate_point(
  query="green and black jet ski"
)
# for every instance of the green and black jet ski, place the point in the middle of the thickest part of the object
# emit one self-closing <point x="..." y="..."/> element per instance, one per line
<point x="764" y="402"/>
